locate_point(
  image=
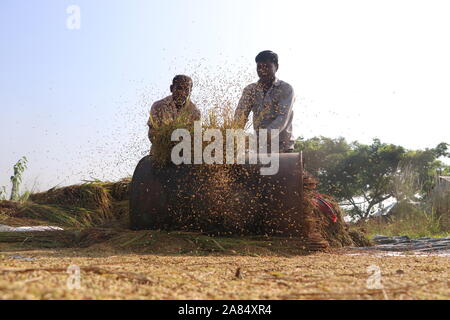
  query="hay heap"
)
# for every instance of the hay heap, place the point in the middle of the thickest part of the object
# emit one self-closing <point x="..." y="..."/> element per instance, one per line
<point x="88" y="196"/>
<point x="78" y="206"/>
<point x="84" y="205"/>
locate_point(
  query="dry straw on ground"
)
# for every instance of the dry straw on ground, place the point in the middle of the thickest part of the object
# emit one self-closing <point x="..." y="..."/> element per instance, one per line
<point x="108" y="274"/>
<point x="117" y="263"/>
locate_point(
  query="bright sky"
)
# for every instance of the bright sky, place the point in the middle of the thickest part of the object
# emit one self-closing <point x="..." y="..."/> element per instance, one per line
<point x="75" y="102"/>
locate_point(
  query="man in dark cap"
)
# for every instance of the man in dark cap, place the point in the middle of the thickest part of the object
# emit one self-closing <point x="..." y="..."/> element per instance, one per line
<point x="270" y="100"/>
<point x="173" y="107"/>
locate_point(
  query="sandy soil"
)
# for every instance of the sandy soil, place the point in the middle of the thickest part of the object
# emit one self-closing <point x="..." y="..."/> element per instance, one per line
<point x="107" y="274"/>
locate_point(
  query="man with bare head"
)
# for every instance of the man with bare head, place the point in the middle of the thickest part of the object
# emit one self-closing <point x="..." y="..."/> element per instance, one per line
<point x="174" y="107"/>
<point x="270" y="100"/>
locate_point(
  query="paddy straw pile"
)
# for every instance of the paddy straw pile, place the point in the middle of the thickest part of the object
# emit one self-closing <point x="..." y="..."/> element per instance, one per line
<point x="89" y="213"/>
<point x="321" y="230"/>
<point x="85" y="205"/>
<point x="220" y="118"/>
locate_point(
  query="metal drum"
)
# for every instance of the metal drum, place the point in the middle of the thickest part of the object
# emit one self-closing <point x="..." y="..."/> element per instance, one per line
<point x="219" y="199"/>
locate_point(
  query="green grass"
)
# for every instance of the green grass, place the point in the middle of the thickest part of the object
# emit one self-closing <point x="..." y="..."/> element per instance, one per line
<point x="414" y="225"/>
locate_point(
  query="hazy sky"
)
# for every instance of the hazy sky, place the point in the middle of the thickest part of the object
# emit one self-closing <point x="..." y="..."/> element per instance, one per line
<point x="75" y="102"/>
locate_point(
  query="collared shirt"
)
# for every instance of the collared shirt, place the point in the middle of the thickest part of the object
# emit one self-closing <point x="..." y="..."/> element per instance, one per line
<point x="165" y="111"/>
<point x="271" y="110"/>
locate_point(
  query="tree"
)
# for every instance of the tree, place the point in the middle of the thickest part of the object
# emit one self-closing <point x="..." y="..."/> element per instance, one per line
<point x="363" y="179"/>
<point x="322" y="153"/>
<point x="363" y="176"/>
<point x="427" y="165"/>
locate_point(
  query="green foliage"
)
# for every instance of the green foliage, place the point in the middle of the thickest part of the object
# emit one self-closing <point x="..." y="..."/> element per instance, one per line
<point x="322" y="153"/>
<point x="363" y="176"/>
<point x="441" y="150"/>
<point x="412" y="223"/>
<point x="161" y="137"/>
<point x="427" y="165"/>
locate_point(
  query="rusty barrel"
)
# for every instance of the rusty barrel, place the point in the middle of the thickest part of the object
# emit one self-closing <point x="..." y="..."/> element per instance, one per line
<point x="218" y="199"/>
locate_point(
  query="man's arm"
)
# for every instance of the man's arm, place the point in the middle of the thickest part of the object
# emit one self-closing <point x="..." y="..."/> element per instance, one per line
<point x="283" y="109"/>
<point x="244" y="108"/>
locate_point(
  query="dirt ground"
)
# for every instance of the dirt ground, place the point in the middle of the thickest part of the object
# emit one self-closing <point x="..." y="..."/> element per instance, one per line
<point x="108" y="274"/>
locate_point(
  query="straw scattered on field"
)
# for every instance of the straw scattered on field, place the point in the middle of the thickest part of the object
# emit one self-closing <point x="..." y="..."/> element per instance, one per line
<point x="108" y="274"/>
<point x="117" y="263"/>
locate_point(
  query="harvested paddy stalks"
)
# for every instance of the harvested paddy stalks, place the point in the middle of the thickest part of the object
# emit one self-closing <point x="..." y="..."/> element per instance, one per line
<point x="118" y="190"/>
<point x="62" y="215"/>
<point x="162" y="143"/>
<point x="322" y="230"/>
<point x="88" y="197"/>
<point x="78" y="206"/>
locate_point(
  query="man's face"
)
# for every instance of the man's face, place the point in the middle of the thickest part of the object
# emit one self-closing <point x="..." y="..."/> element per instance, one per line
<point x="181" y="90"/>
<point x="266" y="70"/>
